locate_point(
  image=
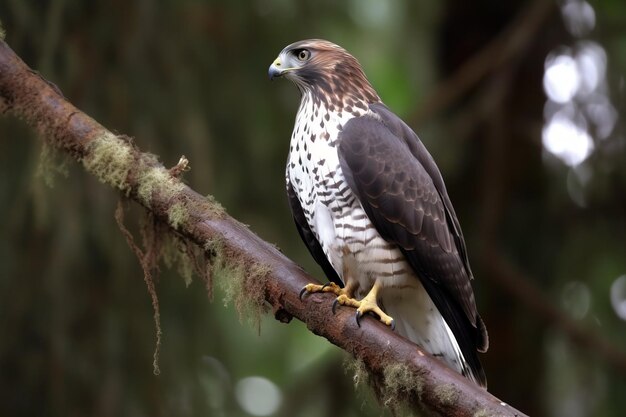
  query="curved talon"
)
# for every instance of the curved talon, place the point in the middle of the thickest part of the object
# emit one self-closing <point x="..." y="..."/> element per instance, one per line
<point x="335" y="303"/>
<point x="324" y="286"/>
<point x="358" y="317"/>
<point x="393" y="325"/>
<point x="302" y="291"/>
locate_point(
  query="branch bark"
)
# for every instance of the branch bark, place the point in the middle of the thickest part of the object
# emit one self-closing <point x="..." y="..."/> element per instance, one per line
<point x="401" y="370"/>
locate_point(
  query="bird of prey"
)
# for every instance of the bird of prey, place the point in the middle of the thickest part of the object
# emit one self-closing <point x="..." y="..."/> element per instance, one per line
<point x="370" y="204"/>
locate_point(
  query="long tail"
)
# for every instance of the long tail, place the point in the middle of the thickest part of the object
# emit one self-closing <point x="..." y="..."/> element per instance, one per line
<point x="417" y="319"/>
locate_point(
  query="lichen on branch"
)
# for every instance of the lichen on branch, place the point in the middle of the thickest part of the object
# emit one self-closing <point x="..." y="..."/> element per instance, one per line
<point x="110" y="159"/>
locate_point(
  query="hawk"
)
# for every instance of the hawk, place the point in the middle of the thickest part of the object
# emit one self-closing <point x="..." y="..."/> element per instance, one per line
<point x="370" y="204"/>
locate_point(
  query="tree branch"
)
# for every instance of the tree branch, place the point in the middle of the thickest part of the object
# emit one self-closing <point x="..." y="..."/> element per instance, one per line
<point x="400" y="370"/>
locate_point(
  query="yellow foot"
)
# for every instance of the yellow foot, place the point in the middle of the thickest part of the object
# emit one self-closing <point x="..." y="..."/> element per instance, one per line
<point x="366" y="305"/>
<point x="330" y="287"/>
<point x="345" y="298"/>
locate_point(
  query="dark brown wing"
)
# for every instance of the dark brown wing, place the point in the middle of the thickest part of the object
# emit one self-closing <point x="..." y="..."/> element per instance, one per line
<point x="419" y="151"/>
<point x="309" y="238"/>
<point x="402" y="192"/>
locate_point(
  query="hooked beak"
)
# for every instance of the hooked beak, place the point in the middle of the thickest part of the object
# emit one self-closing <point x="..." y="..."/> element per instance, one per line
<point x="275" y="70"/>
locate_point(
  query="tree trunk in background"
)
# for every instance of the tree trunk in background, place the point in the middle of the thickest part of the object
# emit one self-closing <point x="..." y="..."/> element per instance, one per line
<point x="497" y="126"/>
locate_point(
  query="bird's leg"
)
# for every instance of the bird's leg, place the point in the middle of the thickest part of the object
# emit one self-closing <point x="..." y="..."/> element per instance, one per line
<point x="366" y="305"/>
<point x="329" y="287"/>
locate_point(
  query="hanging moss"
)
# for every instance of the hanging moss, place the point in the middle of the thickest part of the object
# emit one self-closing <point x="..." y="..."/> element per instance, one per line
<point x="175" y="256"/>
<point x="148" y="259"/>
<point x="396" y="389"/>
<point x="115" y="161"/>
<point x="242" y="281"/>
<point x="51" y="164"/>
<point x="399" y="384"/>
<point x="360" y="374"/>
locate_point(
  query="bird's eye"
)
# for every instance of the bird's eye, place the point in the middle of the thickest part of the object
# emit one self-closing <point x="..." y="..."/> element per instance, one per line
<point x="303" y="54"/>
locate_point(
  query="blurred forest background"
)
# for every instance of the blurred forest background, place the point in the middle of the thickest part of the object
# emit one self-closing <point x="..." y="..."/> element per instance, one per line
<point x="522" y="104"/>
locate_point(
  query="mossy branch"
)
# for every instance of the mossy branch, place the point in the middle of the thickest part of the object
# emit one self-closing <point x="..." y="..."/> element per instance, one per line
<point x="398" y="370"/>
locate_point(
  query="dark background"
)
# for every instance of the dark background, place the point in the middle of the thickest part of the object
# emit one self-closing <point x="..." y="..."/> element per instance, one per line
<point x="521" y="104"/>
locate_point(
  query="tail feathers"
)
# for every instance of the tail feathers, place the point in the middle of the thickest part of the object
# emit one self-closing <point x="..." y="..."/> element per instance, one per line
<point x="483" y="337"/>
<point x="424" y="326"/>
<point x="469" y="367"/>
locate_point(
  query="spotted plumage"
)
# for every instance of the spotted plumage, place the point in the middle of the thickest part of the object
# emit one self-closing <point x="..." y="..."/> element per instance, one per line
<point x="371" y="205"/>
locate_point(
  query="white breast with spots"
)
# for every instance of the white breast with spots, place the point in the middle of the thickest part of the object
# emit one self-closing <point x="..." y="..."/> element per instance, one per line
<point x="350" y="241"/>
<point x="333" y="212"/>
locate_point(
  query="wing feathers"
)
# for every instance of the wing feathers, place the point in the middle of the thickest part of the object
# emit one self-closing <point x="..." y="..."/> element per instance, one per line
<point x="402" y="192"/>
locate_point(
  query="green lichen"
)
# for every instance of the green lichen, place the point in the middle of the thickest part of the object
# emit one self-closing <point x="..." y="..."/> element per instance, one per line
<point x="156" y="178"/>
<point x="110" y="159"/>
<point x="177" y="214"/>
<point x="215" y="207"/>
<point x="446" y="394"/>
<point x="400" y="383"/>
<point x="482" y="413"/>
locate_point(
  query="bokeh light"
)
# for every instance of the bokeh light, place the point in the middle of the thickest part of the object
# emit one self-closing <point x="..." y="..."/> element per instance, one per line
<point x="618" y="296"/>
<point x="578" y="110"/>
<point x="258" y="396"/>
<point x="561" y="78"/>
<point x="564" y="139"/>
<point x="578" y="16"/>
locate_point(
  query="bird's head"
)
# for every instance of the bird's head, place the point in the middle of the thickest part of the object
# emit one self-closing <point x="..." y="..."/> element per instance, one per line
<point x="321" y="67"/>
